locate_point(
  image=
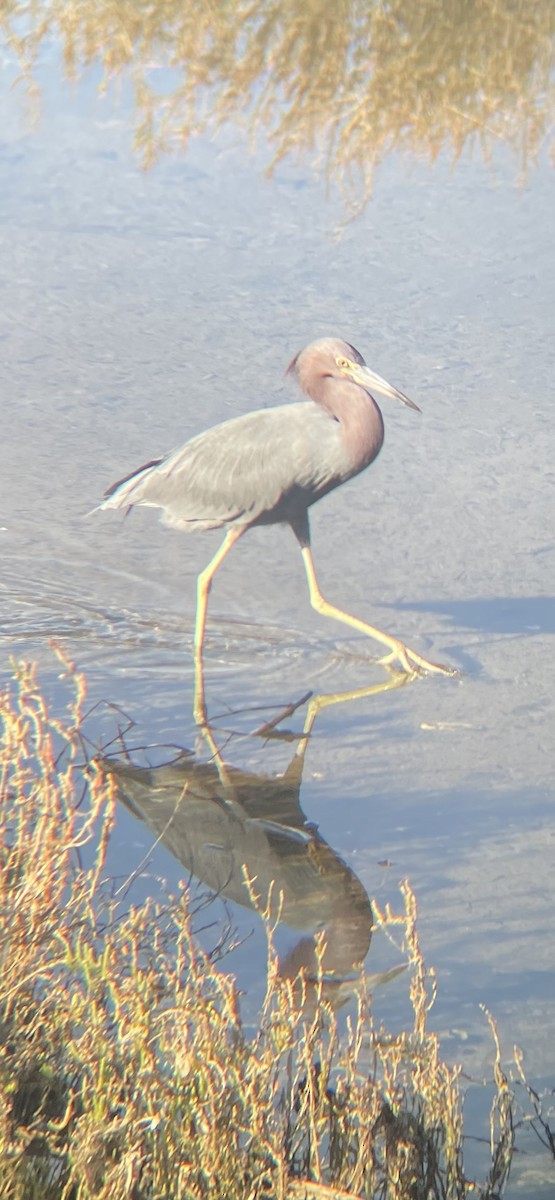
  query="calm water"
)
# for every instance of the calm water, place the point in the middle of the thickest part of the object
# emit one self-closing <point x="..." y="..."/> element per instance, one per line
<point x="139" y="308"/>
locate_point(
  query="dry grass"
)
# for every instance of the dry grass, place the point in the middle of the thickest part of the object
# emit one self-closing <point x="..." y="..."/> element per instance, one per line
<point x="125" y="1069"/>
<point x="345" y="84"/>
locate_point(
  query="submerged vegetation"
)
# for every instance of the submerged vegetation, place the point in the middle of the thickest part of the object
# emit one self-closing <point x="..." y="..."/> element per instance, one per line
<point x="346" y="83"/>
<point x="126" y="1069"/>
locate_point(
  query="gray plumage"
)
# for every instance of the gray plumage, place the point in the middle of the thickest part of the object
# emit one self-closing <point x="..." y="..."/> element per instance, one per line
<point x="267" y="466"/>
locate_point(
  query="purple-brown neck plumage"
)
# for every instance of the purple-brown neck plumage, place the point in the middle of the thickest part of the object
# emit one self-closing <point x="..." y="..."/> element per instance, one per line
<point x="360" y="421"/>
<point x="359" y="418"/>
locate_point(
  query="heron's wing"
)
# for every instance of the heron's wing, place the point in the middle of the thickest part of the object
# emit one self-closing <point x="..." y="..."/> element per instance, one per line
<point x="238" y="471"/>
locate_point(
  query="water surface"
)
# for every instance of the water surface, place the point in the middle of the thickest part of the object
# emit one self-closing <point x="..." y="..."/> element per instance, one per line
<point x="140" y="308"/>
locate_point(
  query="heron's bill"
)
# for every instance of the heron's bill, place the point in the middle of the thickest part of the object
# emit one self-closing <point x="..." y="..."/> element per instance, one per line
<point x="372" y="382"/>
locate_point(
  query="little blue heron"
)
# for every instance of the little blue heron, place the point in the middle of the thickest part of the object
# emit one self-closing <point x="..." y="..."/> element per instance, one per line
<point x="268" y="467"/>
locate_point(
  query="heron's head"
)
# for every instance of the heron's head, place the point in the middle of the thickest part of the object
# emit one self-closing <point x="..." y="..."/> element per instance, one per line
<point x="333" y="358"/>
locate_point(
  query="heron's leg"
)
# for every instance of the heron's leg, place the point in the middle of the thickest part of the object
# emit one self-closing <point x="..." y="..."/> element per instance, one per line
<point x="409" y="659"/>
<point x="204" y="583"/>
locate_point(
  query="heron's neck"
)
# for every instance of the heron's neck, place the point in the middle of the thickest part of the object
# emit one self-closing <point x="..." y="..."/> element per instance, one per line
<point x="359" y="416"/>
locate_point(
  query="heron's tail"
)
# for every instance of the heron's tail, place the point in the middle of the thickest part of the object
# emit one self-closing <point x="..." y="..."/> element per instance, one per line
<point x="124" y="492"/>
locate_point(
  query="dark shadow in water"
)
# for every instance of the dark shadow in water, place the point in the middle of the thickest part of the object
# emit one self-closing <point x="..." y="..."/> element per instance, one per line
<point x="226" y="825"/>
<point x="499" y="614"/>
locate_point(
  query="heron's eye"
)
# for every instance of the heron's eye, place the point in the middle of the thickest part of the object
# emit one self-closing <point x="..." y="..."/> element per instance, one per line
<point x="343" y="363"/>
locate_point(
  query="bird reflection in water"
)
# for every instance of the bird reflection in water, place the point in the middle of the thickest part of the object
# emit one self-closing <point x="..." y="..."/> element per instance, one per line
<point x="227" y="826"/>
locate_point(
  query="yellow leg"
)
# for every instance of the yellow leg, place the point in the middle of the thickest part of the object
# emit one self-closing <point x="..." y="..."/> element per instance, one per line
<point x="199" y="702"/>
<point x="322" y="700"/>
<point x="409" y="660"/>
<point x="204" y="583"/>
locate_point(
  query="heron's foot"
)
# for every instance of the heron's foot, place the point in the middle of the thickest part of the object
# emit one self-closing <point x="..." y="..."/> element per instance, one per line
<point x="414" y="663"/>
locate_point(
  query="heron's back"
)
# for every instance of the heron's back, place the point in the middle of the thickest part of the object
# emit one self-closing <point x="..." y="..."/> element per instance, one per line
<point x="260" y="468"/>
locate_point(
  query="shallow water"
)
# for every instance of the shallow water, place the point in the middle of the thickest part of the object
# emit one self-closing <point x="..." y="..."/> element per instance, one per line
<point x="140" y="308"/>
